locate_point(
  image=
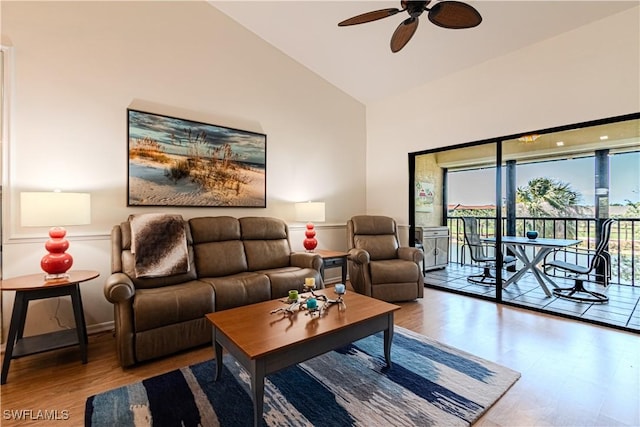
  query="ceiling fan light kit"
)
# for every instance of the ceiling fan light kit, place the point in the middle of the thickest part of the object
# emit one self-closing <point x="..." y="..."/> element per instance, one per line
<point x="447" y="14"/>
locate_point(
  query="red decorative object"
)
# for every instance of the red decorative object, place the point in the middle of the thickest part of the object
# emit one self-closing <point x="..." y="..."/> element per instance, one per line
<point x="309" y="212"/>
<point x="57" y="262"/>
<point x="310" y="242"/>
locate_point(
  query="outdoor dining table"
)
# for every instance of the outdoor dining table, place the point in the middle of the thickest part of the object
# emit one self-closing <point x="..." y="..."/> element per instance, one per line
<point x="541" y="247"/>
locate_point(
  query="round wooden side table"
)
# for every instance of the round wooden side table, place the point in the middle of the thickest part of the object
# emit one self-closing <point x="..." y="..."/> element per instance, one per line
<point x="34" y="287"/>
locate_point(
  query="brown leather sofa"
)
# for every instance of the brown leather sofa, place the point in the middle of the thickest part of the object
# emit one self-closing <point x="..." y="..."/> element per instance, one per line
<point x="378" y="266"/>
<point x="233" y="262"/>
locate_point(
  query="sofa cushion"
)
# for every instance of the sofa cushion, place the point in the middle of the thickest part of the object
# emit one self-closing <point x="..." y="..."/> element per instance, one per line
<point x="263" y="228"/>
<point x="266" y="242"/>
<point x="154" y="308"/>
<point x="287" y="278"/>
<point x="376" y="235"/>
<point x="373" y="224"/>
<point x="382" y="246"/>
<point x="214" y="229"/>
<point x="215" y="259"/>
<point x="266" y="254"/>
<point x="394" y="271"/>
<point x="239" y="289"/>
<point x="218" y="249"/>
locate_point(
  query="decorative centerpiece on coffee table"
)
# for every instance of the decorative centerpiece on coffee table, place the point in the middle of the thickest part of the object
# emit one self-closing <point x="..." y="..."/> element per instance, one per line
<point x="339" y="289"/>
<point x="310" y="304"/>
<point x="293" y="308"/>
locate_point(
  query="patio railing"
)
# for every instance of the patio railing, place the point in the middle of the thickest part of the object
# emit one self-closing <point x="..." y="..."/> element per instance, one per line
<point x="624" y="244"/>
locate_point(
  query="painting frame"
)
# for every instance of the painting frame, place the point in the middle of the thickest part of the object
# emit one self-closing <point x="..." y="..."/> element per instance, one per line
<point x="424" y="196"/>
<point x="178" y="162"/>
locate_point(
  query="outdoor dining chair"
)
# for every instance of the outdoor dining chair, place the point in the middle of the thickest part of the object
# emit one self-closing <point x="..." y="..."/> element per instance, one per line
<point x="598" y="257"/>
<point x="482" y="252"/>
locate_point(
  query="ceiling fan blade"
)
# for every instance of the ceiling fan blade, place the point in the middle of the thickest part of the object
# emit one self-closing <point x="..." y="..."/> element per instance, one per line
<point x="454" y="14"/>
<point x="403" y="34"/>
<point x="369" y="16"/>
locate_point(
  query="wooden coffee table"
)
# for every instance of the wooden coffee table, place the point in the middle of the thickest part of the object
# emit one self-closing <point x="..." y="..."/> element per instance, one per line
<point x="264" y="343"/>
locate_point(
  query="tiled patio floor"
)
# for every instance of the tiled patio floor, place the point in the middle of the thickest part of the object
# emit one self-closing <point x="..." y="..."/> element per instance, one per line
<point x="622" y="310"/>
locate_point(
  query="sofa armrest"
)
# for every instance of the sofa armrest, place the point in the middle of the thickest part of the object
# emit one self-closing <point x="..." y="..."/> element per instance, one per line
<point x="119" y="288"/>
<point x="306" y="260"/>
<point x="411" y="254"/>
<point x="359" y="256"/>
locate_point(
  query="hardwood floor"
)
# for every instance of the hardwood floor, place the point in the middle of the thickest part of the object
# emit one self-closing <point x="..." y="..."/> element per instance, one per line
<point x="573" y="373"/>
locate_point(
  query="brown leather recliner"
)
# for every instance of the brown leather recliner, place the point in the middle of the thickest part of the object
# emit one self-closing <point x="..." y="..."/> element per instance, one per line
<point x="378" y="266"/>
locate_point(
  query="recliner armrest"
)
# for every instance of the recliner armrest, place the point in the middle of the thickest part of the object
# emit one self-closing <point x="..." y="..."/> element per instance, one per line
<point x="119" y="288"/>
<point x="306" y="260"/>
<point x="359" y="256"/>
<point x="411" y="254"/>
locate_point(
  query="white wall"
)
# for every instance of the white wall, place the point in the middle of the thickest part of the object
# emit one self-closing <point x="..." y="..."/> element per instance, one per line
<point x="586" y="74"/>
<point x="79" y="65"/>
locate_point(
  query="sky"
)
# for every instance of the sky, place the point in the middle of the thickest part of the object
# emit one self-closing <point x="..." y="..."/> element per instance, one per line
<point x="624" y="180"/>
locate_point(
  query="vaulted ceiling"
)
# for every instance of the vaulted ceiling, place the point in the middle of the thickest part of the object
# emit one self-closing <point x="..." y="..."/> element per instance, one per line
<point x="357" y="59"/>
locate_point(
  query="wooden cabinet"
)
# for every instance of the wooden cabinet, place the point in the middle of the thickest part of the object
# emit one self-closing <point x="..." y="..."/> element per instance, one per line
<point x="435" y="244"/>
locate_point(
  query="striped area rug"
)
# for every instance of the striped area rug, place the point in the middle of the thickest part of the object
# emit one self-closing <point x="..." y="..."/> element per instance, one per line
<point x="429" y="384"/>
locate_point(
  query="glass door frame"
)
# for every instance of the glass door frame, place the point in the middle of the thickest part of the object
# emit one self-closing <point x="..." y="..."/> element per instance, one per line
<point x="499" y="160"/>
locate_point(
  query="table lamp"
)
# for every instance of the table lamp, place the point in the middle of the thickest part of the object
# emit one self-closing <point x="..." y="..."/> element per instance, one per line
<point x="38" y="209"/>
<point x="310" y="212"/>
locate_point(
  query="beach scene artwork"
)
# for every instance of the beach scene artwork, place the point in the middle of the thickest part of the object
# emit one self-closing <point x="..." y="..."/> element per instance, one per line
<point x="179" y="162"/>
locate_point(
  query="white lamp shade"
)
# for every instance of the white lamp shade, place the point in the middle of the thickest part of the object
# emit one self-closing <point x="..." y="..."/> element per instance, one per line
<point x="44" y="209"/>
<point x="310" y="211"/>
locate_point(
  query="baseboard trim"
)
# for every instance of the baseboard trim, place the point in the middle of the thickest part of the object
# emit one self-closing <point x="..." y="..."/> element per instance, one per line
<point x="100" y="327"/>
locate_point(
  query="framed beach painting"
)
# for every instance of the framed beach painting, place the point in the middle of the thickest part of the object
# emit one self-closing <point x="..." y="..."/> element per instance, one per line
<point x="180" y="162"/>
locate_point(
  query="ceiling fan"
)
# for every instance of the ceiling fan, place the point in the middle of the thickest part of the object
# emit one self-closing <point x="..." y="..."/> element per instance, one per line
<point x="446" y="13"/>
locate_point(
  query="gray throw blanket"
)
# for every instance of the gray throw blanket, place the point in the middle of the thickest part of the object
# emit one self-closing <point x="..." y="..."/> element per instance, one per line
<point x="159" y="245"/>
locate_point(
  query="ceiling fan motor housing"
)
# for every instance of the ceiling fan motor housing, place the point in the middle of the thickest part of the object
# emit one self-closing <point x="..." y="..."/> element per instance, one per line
<point x="414" y="8"/>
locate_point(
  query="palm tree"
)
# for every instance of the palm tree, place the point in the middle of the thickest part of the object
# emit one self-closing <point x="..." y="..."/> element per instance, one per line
<point x="633" y="209"/>
<point x="547" y="197"/>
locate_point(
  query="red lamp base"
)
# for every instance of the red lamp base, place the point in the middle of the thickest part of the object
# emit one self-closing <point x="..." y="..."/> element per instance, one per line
<point x="57" y="262"/>
<point x="310" y="242"/>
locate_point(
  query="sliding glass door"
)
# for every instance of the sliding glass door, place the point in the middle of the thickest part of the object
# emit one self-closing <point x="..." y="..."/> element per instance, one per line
<point x="562" y="183"/>
<point x="448" y="186"/>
